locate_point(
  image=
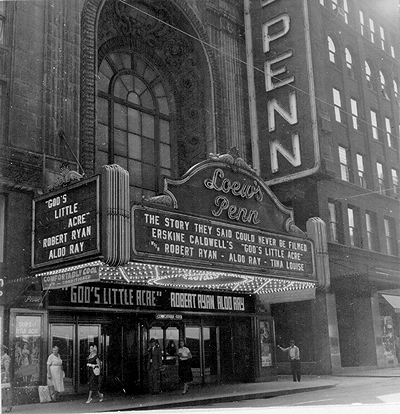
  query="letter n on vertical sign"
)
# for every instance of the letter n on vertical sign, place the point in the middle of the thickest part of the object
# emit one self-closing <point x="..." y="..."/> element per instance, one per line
<point x="286" y="109"/>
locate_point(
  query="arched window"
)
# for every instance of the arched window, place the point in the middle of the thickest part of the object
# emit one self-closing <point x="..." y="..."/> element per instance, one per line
<point x="383" y="84"/>
<point x="349" y="62"/>
<point x="332" y="50"/>
<point x="134" y="121"/>
<point x="368" y="75"/>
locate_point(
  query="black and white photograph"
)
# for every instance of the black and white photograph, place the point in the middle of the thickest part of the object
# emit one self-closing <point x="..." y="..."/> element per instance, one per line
<point x="200" y="206"/>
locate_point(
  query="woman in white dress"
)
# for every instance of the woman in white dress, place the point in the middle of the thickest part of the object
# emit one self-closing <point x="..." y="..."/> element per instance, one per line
<point x="55" y="374"/>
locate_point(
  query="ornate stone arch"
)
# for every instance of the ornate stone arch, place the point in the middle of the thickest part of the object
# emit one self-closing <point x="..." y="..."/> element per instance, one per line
<point x="215" y="140"/>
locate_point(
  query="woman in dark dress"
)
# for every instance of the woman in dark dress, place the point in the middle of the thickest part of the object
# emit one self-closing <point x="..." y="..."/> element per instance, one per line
<point x="94" y="380"/>
<point x="185" y="369"/>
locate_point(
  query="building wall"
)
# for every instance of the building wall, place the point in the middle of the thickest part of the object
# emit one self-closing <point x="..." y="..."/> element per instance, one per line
<point x="354" y="265"/>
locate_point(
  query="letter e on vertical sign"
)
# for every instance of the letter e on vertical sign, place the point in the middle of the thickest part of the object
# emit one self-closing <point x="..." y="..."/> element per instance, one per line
<point x="289" y="147"/>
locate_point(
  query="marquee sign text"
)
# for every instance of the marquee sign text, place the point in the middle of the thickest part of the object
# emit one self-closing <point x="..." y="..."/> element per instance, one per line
<point x="191" y="240"/>
<point x="281" y="39"/>
<point x="66" y="224"/>
<point x="146" y="298"/>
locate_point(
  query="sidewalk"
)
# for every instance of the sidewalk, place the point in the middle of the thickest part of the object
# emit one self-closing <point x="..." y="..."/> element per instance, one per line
<point x="198" y="396"/>
<point x="370" y="372"/>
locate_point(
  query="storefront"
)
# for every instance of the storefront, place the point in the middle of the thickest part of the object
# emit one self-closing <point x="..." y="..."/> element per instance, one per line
<point x="217" y="328"/>
<point x="189" y="264"/>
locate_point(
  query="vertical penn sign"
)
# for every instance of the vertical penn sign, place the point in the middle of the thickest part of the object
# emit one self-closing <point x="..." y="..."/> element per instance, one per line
<point x="286" y="105"/>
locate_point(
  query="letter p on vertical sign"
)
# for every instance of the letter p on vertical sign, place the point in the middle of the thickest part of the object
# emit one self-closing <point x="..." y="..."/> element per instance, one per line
<point x="270" y="37"/>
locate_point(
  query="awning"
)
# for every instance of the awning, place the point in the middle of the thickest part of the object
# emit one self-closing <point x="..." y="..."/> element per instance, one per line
<point x="289" y="296"/>
<point x="394" y="301"/>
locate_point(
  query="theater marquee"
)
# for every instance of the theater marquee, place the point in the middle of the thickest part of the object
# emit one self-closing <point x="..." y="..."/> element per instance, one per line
<point x="221" y="216"/>
<point x="66" y="224"/>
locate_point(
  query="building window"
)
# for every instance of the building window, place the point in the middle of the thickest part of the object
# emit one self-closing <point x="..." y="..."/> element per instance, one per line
<point x="344" y="166"/>
<point x="2" y="225"/>
<point x="371" y="225"/>
<point x="134" y="121"/>
<point x="381" y="177"/>
<point x="349" y="63"/>
<point x="346" y="11"/>
<point x="354" y="113"/>
<point x="374" y="124"/>
<point x="354" y="228"/>
<point x="333" y="222"/>
<point x="334" y="4"/>
<point x="396" y="88"/>
<point x="371" y="31"/>
<point x="390" y="235"/>
<point x="382" y="32"/>
<point x="337" y="102"/>
<point x="361" y="171"/>
<point x="362" y="23"/>
<point x="2" y="21"/>
<point x="322" y="2"/>
<point x="389" y="136"/>
<point x="332" y="50"/>
<point x="395" y="181"/>
<point x="392" y="52"/>
<point x="383" y="85"/>
<point x="368" y="75"/>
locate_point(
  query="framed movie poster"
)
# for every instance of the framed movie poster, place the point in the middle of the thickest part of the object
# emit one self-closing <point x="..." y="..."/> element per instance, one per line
<point x="267" y="346"/>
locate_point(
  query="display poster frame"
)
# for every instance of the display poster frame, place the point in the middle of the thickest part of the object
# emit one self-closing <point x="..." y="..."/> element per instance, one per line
<point x="267" y="349"/>
<point x="28" y="337"/>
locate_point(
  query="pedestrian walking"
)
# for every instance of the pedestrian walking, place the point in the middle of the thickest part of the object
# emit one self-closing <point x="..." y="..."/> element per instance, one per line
<point x="94" y="365"/>
<point x="154" y="366"/>
<point x="55" y="374"/>
<point x="294" y="357"/>
<point x="185" y="369"/>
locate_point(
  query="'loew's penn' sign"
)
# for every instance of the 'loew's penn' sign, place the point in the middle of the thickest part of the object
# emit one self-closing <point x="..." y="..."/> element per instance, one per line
<point x="286" y="104"/>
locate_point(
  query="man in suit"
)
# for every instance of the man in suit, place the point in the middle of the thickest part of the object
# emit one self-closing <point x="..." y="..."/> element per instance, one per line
<point x="154" y="365"/>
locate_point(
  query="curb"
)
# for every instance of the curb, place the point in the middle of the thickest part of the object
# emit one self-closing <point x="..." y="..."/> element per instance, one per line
<point x="222" y="399"/>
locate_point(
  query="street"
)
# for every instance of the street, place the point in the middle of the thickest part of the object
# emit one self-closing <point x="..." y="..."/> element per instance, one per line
<point x="352" y="394"/>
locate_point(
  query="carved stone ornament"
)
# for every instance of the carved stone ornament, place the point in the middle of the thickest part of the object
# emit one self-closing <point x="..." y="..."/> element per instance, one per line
<point x="164" y="200"/>
<point x="234" y="159"/>
<point x="292" y="228"/>
<point x="67" y="176"/>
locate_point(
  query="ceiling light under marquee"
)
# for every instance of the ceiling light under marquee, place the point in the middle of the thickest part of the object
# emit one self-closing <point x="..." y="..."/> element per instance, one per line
<point x="178" y="277"/>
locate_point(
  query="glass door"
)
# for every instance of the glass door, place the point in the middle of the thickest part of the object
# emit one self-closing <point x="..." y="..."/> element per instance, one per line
<point x="74" y="353"/>
<point x="204" y="345"/>
<point x="192" y="339"/>
<point x="211" y="354"/>
<point x="63" y="336"/>
<point x="87" y="335"/>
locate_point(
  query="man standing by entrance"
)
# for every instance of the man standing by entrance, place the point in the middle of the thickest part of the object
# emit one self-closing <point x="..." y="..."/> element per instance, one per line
<point x="294" y="357"/>
<point x="154" y="365"/>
